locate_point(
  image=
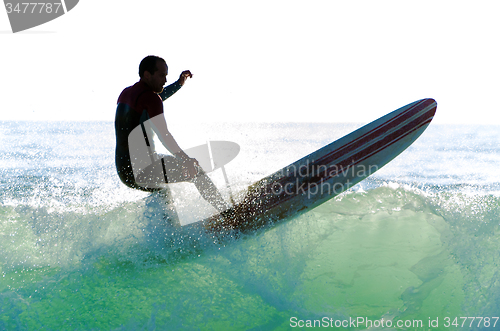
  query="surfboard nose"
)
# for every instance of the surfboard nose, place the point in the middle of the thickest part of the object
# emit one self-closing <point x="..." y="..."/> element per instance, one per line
<point x="432" y="104"/>
<point x="429" y="107"/>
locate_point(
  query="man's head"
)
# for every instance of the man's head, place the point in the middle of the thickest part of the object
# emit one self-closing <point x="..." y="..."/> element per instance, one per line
<point x="153" y="71"/>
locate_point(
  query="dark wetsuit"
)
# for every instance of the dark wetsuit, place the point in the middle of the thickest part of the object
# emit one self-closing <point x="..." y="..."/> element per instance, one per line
<point x="136" y="104"/>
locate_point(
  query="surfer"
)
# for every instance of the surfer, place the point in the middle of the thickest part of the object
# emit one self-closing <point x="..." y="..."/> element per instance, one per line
<point x="140" y="105"/>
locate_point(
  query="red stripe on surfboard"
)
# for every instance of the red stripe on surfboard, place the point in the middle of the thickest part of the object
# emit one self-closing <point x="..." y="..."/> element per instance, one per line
<point x="380" y="148"/>
<point x="407" y="127"/>
<point x="385" y="145"/>
<point x="285" y="197"/>
<point x="381" y="128"/>
<point x="398" y="139"/>
<point x="391" y="123"/>
<point x="349" y="147"/>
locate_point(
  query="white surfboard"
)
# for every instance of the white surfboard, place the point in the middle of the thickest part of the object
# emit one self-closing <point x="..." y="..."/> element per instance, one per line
<point x="325" y="173"/>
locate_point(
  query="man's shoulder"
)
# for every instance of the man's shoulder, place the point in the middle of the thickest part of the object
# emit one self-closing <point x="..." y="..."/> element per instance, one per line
<point x="139" y="92"/>
<point x="146" y="99"/>
<point x="127" y="93"/>
<point x="137" y="88"/>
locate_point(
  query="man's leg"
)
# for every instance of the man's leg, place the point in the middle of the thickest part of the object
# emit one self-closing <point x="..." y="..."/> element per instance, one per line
<point x="175" y="172"/>
<point x="209" y="191"/>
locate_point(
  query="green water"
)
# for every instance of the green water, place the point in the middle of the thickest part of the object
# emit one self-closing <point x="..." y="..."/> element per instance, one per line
<point x="388" y="253"/>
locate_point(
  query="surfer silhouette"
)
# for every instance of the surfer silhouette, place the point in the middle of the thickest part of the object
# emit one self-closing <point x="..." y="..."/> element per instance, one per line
<point x="139" y="113"/>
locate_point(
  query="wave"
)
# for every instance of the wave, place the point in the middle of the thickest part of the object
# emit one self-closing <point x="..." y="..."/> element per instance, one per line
<point x="393" y="251"/>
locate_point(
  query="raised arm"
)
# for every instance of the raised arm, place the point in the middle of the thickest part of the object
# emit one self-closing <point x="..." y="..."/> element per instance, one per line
<point x="169" y="90"/>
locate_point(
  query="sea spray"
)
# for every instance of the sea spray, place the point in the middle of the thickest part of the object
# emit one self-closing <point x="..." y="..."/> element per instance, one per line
<point x="418" y="240"/>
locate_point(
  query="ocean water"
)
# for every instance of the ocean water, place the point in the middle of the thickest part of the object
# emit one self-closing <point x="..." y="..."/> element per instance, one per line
<point x="414" y="247"/>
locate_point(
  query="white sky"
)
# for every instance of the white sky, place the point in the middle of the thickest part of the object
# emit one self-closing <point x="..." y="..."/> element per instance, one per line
<point x="280" y="61"/>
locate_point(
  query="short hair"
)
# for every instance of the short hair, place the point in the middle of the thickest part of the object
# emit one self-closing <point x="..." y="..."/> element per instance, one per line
<point x="149" y="64"/>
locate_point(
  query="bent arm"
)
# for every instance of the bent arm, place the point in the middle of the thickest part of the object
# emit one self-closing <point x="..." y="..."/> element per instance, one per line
<point x="166" y="138"/>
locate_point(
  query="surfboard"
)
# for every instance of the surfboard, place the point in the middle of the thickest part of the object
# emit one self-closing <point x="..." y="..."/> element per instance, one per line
<point x="323" y="174"/>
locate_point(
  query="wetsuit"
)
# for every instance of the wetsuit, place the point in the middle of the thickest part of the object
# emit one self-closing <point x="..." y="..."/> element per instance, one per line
<point x="136" y="104"/>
